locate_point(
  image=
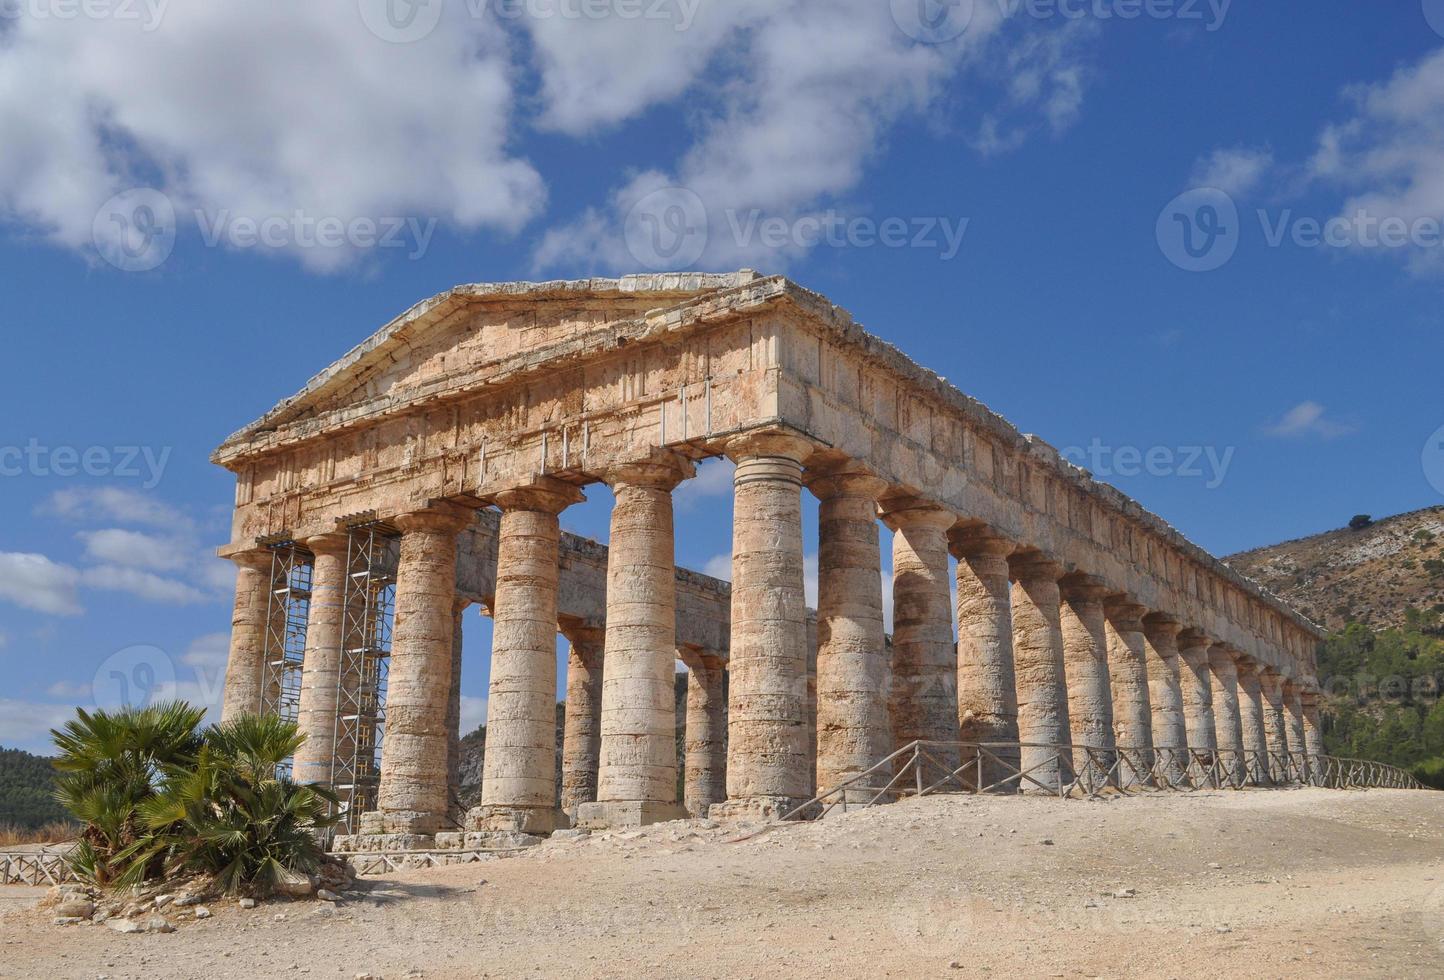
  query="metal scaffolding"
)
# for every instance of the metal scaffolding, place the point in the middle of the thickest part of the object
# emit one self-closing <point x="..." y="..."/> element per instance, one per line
<point x="369" y="607"/>
<point x="289" y="605"/>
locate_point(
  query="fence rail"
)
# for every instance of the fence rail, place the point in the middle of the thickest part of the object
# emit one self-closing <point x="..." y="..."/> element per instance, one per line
<point x="35" y="868"/>
<point x="1079" y="771"/>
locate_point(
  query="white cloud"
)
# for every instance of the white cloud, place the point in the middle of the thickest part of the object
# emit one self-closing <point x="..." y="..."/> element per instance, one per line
<point x="69" y="691"/>
<point x="1234" y="170"/>
<point x="141" y="584"/>
<point x="208" y="650"/>
<point x="26" y="724"/>
<point x="260" y="109"/>
<point x="812" y="91"/>
<point x="720" y="566"/>
<point x="713" y="479"/>
<point x="90" y="504"/>
<point x="473" y="713"/>
<point x="1389" y="156"/>
<point x="1309" y="419"/>
<point x="36" y="582"/>
<point x="135" y="549"/>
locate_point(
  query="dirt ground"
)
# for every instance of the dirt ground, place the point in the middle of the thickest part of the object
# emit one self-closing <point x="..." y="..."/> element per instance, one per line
<point x="1285" y="883"/>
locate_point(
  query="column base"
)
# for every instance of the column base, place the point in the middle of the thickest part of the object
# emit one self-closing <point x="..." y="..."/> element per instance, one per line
<point x="754" y="808"/>
<point x="390" y="843"/>
<point x="501" y="819"/>
<point x="627" y="813"/>
<point x="401" y="822"/>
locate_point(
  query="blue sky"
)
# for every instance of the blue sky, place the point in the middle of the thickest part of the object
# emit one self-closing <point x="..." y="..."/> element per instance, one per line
<point x="1285" y="387"/>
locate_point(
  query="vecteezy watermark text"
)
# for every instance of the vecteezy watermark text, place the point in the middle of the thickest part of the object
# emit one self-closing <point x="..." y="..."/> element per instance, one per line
<point x="940" y="21"/>
<point x="126" y="462"/>
<point x="1207" y="463"/>
<point x="933" y="233"/>
<point x="408" y="21"/>
<point x="147" y="13"/>
<point x="301" y="230"/>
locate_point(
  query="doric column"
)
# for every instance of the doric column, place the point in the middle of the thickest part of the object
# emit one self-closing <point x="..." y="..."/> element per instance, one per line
<point x="1196" y="681"/>
<point x="1313" y="736"/>
<point x="853" y="730"/>
<point x="1165" y="695"/>
<point x="1251" y="722"/>
<point x="1271" y="686"/>
<point x="987" y="687"/>
<point x="1227" y="721"/>
<point x="1132" y="705"/>
<point x="769" y="769"/>
<point x="321" y="664"/>
<point x="1038" y="663"/>
<point x="244" y="665"/>
<point x="455" y="810"/>
<point x="518" y="782"/>
<point x="412" y="796"/>
<point x="924" y="655"/>
<point x="1085" y="664"/>
<point x="1294" y="726"/>
<point x="582" y="731"/>
<point x="706" y="768"/>
<point x="637" y="778"/>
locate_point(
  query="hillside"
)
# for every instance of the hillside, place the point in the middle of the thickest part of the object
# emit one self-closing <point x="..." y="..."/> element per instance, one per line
<point x="26" y="782"/>
<point x="1370" y="576"/>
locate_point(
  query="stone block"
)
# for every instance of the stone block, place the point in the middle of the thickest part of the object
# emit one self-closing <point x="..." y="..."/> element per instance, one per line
<point x="640" y="813"/>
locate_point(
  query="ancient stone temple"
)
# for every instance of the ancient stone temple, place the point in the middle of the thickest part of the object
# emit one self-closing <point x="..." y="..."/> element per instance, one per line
<point x="429" y="469"/>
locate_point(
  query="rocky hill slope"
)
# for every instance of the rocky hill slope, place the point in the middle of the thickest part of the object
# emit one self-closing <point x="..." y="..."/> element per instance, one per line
<point x="1369" y="575"/>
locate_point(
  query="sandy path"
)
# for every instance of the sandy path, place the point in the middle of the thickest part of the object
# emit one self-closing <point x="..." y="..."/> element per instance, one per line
<point x="1315" y="881"/>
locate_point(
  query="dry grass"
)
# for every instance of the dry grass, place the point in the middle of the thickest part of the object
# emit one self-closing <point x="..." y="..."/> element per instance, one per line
<point x="55" y="832"/>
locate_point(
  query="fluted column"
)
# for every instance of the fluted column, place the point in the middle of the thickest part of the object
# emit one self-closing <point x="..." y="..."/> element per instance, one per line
<point x="518" y="783"/>
<point x="321" y="663"/>
<point x="582" y="728"/>
<point x="769" y="769"/>
<point x="924" y="655"/>
<point x="455" y="810"/>
<point x="1251" y="722"/>
<point x="853" y="731"/>
<point x="1196" y="681"/>
<point x="1038" y="663"/>
<point x="1271" y="685"/>
<point x="1313" y="736"/>
<point x="1294" y="726"/>
<point x="637" y="778"/>
<point x="706" y="768"/>
<point x="987" y="686"/>
<point x="245" y="662"/>
<point x="1227" y="720"/>
<point x="1085" y="664"/>
<point x="1165" y="694"/>
<point x="1132" y="705"/>
<point x="412" y="796"/>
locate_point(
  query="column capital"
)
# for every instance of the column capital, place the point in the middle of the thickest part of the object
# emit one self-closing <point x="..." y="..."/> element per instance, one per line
<point x="662" y="470"/>
<point x="769" y="442"/>
<point x="1078" y="587"/>
<point x="1222" y="655"/>
<point x="255" y="559"/>
<point x="330" y="543"/>
<point x="979" y="541"/>
<point x="439" y="516"/>
<point x="1034" y="566"/>
<point x="542" y="494"/>
<point x="1162" y="625"/>
<point x="1194" y="641"/>
<point x="844" y="479"/>
<point x="1247" y="666"/>
<point x="1124" y="613"/>
<point x="904" y="513"/>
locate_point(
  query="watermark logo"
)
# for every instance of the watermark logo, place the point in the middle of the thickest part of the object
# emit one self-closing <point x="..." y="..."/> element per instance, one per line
<point x="1434" y="15"/>
<point x="146" y="463"/>
<point x="135" y="230"/>
<point x="933" y="21"/>
<point x="148" y="13"/>
<point x="1198" y="231"/>
<point x="401" y="21"/>
<point x="1433" y="460"/>
<point x="299" y="230"/>
<point x="680" y="13"/>
<point x="135" y="677"/>
<point x="1207" y="463"/>
<point x="667" y="229"/>
<point x="942" y="235"/>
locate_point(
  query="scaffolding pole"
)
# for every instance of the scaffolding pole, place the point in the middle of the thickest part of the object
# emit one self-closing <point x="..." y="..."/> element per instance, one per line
<point x="369" y="608"/>
<point x="288" y="607"/>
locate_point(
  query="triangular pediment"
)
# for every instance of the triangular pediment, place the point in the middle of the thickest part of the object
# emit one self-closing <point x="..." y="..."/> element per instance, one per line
<point x="457" y="333"/>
